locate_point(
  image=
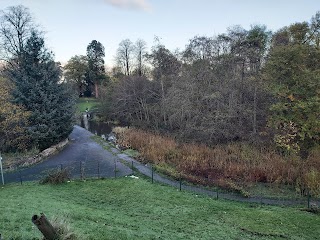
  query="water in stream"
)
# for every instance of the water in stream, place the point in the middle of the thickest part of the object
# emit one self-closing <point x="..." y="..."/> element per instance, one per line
<point x="97" y="128"/>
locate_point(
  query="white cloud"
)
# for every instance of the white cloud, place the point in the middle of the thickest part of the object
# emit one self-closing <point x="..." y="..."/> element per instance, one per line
<point x="131" y="4"/>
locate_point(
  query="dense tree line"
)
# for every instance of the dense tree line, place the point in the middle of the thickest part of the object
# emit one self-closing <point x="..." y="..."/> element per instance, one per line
<point x="211" y="92"/>
<point x="38" y="107"/>
<point x="240" y="85"/>
<point x="245" y="84"/>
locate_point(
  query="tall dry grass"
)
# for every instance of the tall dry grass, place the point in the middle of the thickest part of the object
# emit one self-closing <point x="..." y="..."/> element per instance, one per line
<point x="222" y="164"/>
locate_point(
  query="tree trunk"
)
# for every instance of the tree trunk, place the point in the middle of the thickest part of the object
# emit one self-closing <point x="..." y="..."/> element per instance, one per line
<point x="255" y="110"/>
<point x="96" y="90"/>
<point x="162" y="103"/>
<point x="45" y="227"/>
<point x="140" y="64"/>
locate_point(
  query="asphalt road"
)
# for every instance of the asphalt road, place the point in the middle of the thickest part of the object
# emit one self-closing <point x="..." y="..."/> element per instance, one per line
<point x="83" y="156"/>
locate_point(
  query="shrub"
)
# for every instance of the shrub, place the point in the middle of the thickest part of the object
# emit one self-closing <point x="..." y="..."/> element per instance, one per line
<point x="57" y="176"/>
<point x="312" y="181"/>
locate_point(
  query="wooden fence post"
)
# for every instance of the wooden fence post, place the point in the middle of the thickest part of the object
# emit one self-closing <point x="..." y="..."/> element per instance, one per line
<point x="45" y="227"/>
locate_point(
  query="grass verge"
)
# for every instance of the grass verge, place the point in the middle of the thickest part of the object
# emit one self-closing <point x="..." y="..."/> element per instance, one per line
<point x="128" y="208"/>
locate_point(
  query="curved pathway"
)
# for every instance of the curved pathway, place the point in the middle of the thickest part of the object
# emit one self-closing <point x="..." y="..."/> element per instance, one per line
<point x="83" y="156"/>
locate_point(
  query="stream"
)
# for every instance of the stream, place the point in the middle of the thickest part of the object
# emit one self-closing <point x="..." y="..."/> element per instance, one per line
<point x="97" y="128"/>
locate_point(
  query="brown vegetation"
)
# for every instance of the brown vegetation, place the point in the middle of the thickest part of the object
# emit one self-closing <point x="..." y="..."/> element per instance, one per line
<point x="57" y="176"/>
<point x="227" y="166"/>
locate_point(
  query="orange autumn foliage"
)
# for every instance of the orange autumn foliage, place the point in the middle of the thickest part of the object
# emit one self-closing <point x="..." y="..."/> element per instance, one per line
<point x="13" y="121"/>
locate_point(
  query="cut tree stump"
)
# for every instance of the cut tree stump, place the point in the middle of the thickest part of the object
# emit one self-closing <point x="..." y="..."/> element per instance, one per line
<point x="45" y="227"/>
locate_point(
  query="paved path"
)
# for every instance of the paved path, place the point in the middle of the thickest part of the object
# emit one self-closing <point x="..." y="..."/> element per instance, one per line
<point x="82" y="152"/>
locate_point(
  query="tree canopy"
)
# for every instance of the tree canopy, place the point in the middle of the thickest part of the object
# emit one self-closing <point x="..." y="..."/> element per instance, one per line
<point x="16" y="26"/>
<point x="96" y="69"/>
<point x="13" y="121"/>
<point x="42" y="106"/>
<point x="37" y="89"/>
<point x="293" y="68"/>
<point x="76" y="73"/>
<point x="242" y="85"/>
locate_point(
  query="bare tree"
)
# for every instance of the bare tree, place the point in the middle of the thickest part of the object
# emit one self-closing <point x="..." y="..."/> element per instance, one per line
<point x="213" y="93"/>
<point x="315" y="29"/>
<point x="124" y="55"/>
<point x="140" y="51"/>
<point x="200" y="48"/>
<point x="134" y="100"/>
<point x="16" y="25"/>
<point x="166" y="67"/>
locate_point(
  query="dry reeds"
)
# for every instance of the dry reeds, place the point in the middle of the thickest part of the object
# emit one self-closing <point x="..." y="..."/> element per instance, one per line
<point x="222" y="164"/>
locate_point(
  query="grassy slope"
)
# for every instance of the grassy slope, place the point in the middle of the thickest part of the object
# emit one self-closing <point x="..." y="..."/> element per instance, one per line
<point x="135" y="209"/>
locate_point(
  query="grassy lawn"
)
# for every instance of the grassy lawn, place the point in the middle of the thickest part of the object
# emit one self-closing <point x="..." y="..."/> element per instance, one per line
<point x="129" y="208"/>
<point x="84" y="103"/>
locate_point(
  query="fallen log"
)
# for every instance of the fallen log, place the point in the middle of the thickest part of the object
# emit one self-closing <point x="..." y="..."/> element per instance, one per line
<point x="45" y="227"/>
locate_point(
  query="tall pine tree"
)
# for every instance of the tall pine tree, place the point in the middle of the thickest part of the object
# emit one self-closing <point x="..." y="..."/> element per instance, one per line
<point x="96" y="73"/>
<point x="36" y="77"/>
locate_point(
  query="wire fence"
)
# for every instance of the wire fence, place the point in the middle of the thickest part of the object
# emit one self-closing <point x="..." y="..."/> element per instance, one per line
<point x="126" y="166"/>
<point x="76" y="169"/>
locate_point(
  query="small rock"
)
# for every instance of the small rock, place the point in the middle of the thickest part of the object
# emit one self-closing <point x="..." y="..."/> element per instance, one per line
<point x="112" y="138"/>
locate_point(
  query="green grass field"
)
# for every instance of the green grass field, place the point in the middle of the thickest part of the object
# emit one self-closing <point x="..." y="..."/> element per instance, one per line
<point x="84" y="103"/>
<point x="127" y="208"/>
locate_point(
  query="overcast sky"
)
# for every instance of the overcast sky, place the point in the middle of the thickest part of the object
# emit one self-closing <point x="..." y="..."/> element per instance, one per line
<point x="70" y="25"/>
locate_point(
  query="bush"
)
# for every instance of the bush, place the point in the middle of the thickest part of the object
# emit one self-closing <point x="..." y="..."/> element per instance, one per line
<point x="57" y="177"/>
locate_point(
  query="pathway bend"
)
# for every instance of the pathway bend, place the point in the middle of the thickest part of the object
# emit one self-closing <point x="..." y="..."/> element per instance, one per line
<point x="82" y="156"/>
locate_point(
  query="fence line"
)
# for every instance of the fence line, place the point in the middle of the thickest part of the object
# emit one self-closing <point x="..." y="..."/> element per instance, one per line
<point x="101" y="169"/>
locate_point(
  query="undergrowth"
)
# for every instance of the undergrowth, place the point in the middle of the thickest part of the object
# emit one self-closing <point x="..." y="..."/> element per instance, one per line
<point x="56" y="176"/>
<point x="14" y="159"/>
<point x="232" y="166"/>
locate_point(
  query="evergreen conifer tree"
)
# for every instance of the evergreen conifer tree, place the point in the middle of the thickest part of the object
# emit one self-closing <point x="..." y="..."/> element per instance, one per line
<point x="36" y="77"/>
